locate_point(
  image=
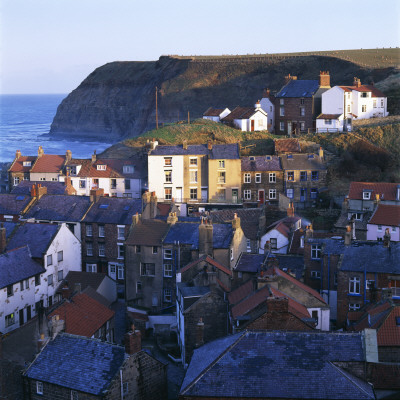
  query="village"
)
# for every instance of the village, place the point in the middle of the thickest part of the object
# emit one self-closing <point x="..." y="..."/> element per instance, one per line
<point x="176" y="273"/>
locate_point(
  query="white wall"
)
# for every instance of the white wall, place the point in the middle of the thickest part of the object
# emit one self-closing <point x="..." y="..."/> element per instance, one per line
<point x="335" y="126"/>
<point x="323" y="318"/>
<point x="333" y="101"/>
<point x="215" y="119"/>
<point x="269" y="108"/>
<point x="282" y="242"/>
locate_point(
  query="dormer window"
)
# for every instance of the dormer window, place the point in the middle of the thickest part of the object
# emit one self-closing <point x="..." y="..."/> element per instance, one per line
<point x="128" y="169"/>
<point x="71" y="169"/>
<point x="101" y="167"/>
<point x="364" y="94"/>
<point x="366" y="194"/>
<point x="252" y="158"/>
<point x="27" y="163"/>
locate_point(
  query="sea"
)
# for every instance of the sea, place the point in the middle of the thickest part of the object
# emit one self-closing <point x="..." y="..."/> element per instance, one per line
<point x="25" y="124"/>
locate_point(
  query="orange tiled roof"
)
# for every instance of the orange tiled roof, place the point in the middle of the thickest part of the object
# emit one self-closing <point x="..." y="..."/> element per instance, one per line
<point x="241" y="292"/>
<point x="389" y="332"/>
<point x="18" y="165"/>
<point x="375" y="92"/>
<point x="209" y="260"/>
<point x="287" y="145"/>
<point x="251" y="302"/>
<point x="48" y="163"/>
<point x="386" y="215"/>
<point x="388" y="190"/>
<point x="89" y="169"/>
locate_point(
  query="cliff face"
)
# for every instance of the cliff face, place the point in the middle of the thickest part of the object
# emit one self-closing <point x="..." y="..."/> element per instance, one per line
<point x="117" y="100"/>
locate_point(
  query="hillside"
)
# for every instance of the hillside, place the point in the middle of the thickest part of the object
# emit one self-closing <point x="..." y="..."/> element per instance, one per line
<point x="117" y="100"/>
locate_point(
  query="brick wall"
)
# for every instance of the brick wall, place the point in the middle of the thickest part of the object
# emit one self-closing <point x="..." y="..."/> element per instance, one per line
<point x="389" y="354"/>
<point x="292" y="114"/>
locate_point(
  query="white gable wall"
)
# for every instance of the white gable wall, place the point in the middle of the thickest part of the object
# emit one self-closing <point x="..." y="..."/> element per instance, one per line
<point x="282" y="242"/>
<point x="269" y="108"/>
<point x="333" y="101"/>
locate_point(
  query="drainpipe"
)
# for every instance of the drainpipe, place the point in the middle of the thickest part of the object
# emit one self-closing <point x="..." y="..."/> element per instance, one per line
<point x="329" y="275"/>
<point x="365" y="283"/>
<point x="122" y="386"/>
<point x="179" y="257"/>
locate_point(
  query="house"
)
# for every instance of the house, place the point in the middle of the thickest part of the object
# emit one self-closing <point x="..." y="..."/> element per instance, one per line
<point x="26" y="187"/>
<point x="247" y="267"/>
<point x="104" y="230"/>
<point x="384" y="217"/>
<point x="298" y="103"/>
<point x="343" y="104"/>
<point x="84" y="316"/>
<point x="56" y="249"/>
<point x="286" y="146"/>
<point x="13" y="206"/>
<point x="383" y="316"/>
<point x="304" y="177"/>
<point x="262" y="179"/>
<point x="75" y="367"/>
<point x="18" y="271"/>
<point x="216" y="114"/>
<point x="19" y="169"/>
<point x="247" y="119"/>
<point x="281" y="365"/>
<point x="268" y="105"/>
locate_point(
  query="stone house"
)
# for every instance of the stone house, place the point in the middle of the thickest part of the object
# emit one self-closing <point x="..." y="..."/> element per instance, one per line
<point x="98" y="370"/>
<point x="304" y="177"/>
<point x="13" y="206"/>
<point x="248" y="119"/>
<point x="298" y="103"/>
<point x="216" y="114"/>
<point x="262" y="179"/>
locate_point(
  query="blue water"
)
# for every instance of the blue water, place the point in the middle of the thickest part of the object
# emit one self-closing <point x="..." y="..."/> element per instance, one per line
<point x="23" y="121"/>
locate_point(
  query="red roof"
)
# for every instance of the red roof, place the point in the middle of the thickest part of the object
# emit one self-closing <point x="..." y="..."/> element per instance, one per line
<point x="48" y="163"/>
<point x="241" y="292"/>
<point x="386" y="215"/>
<point x="375" y="92"/>
<point x="287" y="146"/>
<point x="209" y="260"/>
<point x="251" y="302"/>
<point x="388" y="190"/>
<point x="89" y="168"/>
<point x="389" y="332"/>
<point x="83" y="315"/>
<point x="18" y="165"/>
<point x="299" y="310"/>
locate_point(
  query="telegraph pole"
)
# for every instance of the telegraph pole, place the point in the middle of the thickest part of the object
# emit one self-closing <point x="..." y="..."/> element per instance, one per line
<point x="156" y="109"/>
<point x="189" y="117"/>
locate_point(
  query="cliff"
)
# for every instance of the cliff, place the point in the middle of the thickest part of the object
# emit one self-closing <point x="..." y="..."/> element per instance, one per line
<point x="117" y="100"/>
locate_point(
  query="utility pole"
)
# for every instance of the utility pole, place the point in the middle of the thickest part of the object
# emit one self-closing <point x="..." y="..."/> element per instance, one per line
<point x="156" y="109"/>
<point x="189" y="117"/>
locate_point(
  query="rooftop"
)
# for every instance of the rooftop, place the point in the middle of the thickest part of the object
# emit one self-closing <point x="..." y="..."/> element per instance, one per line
<point x="13" y="204"/>
<point x="299" y="88"/>
<point x="261" y="163"/>
<point x="48" y="163"/>
<point x="302" y="162"/>
<point x="249" y="262"/>
<point x="386" y="215"/>
<point x="287" y="145"/>
<point x="148" y="232"/>
<point x="24" y="187"/>
<point x="375" y="92"/>
<point x="218" y="151"/>
<point x="240" y="113"/>
<point x="18" y="165"/>
<point x="387" y="191"/>
<point x="213" y="112"/>
<point x="85" y="279"/>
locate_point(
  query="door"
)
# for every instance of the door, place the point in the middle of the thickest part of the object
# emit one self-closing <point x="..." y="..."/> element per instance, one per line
<point x="204" y="195"/>
<point x="294" y="128"/>
<point x="261" y="198"/>
<point x="252" y="125"/>
<point x="179" y="195"/>
<point x="289" y="128"/>
<point x="112" y="271"/>
<point x="21" y="317"/>
<point x="303" y="194"/>
<point x="28" y="313"/>
<point x="235" y="195"/>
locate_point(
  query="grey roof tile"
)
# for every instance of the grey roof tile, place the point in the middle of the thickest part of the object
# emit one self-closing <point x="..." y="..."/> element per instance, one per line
<point x="13" y="204"/>
<point x="261" y="163"/>
<point x="299" y="88"/>
<point x="25" y="187"/>
<point x="250" y="262"/>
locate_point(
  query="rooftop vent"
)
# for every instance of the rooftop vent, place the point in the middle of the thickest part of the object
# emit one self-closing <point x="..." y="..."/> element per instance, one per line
<point x="103" y="206"/>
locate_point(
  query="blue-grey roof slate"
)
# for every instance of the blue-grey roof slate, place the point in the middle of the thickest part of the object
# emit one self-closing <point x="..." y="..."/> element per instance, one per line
<point x="78" y="363"/>
<point x="10" y="226"/>
<point x="261" y="163"/>
<point x="37" y="236"/>
<point x="188" y="233"/>
<point x="25" y="187"/>
<point x="225" y="151"/>
<point x="277" y="365"/>
<point x="17" y="265"/>
<point x="13" y="204"/>
<point x="250" y="262"/>
<point x="193" y="291"/>
<point x="218" y="151"/>
<point x="292" y="264"/>
<point x="299" y="88"/>
<point x="60" y="208"/>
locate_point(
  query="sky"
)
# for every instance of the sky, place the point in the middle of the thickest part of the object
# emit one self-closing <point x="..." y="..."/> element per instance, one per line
<point x="50" y="46"/>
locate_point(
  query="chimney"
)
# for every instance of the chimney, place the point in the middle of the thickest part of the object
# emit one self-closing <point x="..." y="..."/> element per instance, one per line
<point x="68" y="156"/>
<point x="324" y="79"/>
<point x="135" y="219"/>
<point x="209" y="145"/>
<point x="56" y="325"/>
<point x="77" y="288"/>
<point x="133" y="341"/>
<point x="235" y="222"/>
<point x="3" y="240"/>
<point x="377" y="199"/>
<point x="41" y="342"/>
<point x="172" y="218"/>
<point x="267" y="247"/>
<point x="266" y="93"/>
<point x="18" y="154"/>
<point x="356" y="82"/>
<point x="205" y="238"/>
<point x="153" y="144"/>
<point x="290" y="210"/>
<point x="321" y="153"/>
<point x="278" y="305"/>
<point x="40" y="151"/>
<point x="95" y="195"/>
<point x="370" y="345"/>
<point x="94" y="157"/>
<point x="40" y="190"/>
<point x="153" y="205"/>
<point x="309" y="231"/>
<point x="185" y="144"/>
<point x="257" y="105"/>
<point x="200" y="333"/>
<point x="345" y="204"/>
<point x="289" y="78"/>
<point x="347" y="236"/>
<point x="33" y="190"/>
<point x="386" y="238"/>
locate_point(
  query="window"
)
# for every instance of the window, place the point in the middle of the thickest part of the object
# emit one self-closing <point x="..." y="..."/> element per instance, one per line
<point x="369" y="284"/>
<point x="366" y="195"/>
<point x="168" y="254"/>
<point x="121" y="251"/>
<point x="168" y="193"/>
<point x="316" y="274"/>
<point x="354" y="285"/>
<point x="272" y="194"/>
<point x="231" y="254"/>
<point x="221" y="164"/>
<point x="101" y="231"/>
<point x="27" y="163"/>
<point x="393" y="229"/>
<point x="258" y="178"/>
<point x="302" y="126"/>
<point x="247" y="194"/>
<point x="314" y="175"/>
<point x="382" y="103"/>
<point x="147" y="269"/>
<point x="89" y="248"/>
<point x="167" y="295"/>
<point x="101" y="167"/>
<point x="113" y="183"/>
<point x="10" y="290"/>
<point x="37" y="280"/>
<point x="316" y="251"/>
<point x="120" y="272"/>
<point x="290" y="175"/>
<point x="379" y="228"/>
<point x="128" y="169"/>
<point x="60" y="256"/>
<point x="260" y="122"/>
<point x="221" y="194"/>
<point x="221" y="177"/>
<point x="42" y="179"/>
<point x="282" y="111"/>
<point x="248" y="245"/>
<point x="168" y="270"/>
<point x="193" y="194"/>
<point x="10" y="319"/>
<point x="50" y="280"/>
<point x="303" y="175"/>
<point x="138" y="249"/>
<point x="138" y="286"/>
<point x="374" y="103"/>
<point x="89" y="230"/>
<point x="281" y="102"/>
<point x="328" y="122"/>
<point x="155" y="250"/>
<point x="281" y="126"/>
<point x="247" y="178"/>
<point x="74" y="395"/>
<point x="363" y="108"/>
<point x="121" y="232"/>
<point x="168" y="161"/>
<point x="364" y="94"/>
<point x="193" y="162"/>
<point x="289" y="193"/>
<point x="272" y="177"/>
<point x="313" y="193"/>
<point x="39" y="387"/>
<point x="168" y="176"/>
<point x="102" y="250"/>
<point x="302" y="111"/>
<point x="274" y="243"/>
<point x="127" y="184"/>
<point x="354" y="306"/>
<point x="60" y="275"/>
<point x="91" y="267"/>
<point x="348" y="108"/>
<point x="125" y="388"/>
<point x="49" y="259"/>
<point x="193" y="176"/>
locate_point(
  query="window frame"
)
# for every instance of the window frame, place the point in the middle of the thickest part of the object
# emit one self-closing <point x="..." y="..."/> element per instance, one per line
<point x="49" y="259"/>
<point x="168" y="196"/>
<point x="167" y="295"/>
<point x="290" y="193"/>
<point x="193" y="176"/>
<point x="50" y="280"/>
<point x="221" y="177"/>
<point x="247" y="177"/>
<point x="303" y="176"/>
<point x="121" y="228"/>
<point x="60" y="256"/>
<point x="167" y="161"/>
<point x="257" y="178"/>
<point x="39" y="387"/>
<point x="167" y="252"/>
<point x="193" y="161"/>
<point x="102" y="249"/>
<point x="315" y="274"/>
<point x="89" y="249"/>
<point x="102" y="231"/>
<point x="154" y="250"/>
<point x="314" y="175"/>
<point x="354" y="285"/>
<point x="91" y="267"/>
<point x="272" y="177"/>
<point x="247" y="194"/>
<point x="120" y="251"/>
<point x="89" y="230"/>
<point x="168" y="176"/>
<point x="167" y="272"/>
<point x="290" y="176"/>
<point x="272" y="194"/>
<point x="60" y="275"/>
<point x="147" y="270"/>
<point x="120" y="272"/>
<point x="273" y="242"/>
<point x="193" y="193"/>
<point x="316" y="251"/>
<point x="221" y="164"/>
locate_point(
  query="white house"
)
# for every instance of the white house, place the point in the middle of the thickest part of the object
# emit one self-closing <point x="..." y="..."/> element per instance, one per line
<point x="216" y="114"/>
<point x="350" y="103"/>
<point x="386" y="218"/>
<point x="267" y="104"/>
<point x="248" y="119"/>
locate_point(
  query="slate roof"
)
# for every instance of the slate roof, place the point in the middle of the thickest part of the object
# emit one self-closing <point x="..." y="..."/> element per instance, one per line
<point x="293" y="264"/>
<point x="83" y="315"/>
<point x="208" y="260"/>
<point x="249" y="218"/>
<point x="386" y="215"/>
<point x="60" y="208"/>
<point x="193" y="291"/>
<point x="302" y="162"/>
<point x="277" y="365"/>
<point x="18" y="165"/>
<point x="241" y="292"/>
<point x="240" y="113"/>
<point x="213" y="112"/>
<point x="37" y="236"/>
<point x="249" y="262"/>
<point x="24" y="187"/>
<point x="17" y="265"/>
<point x="13" y="204"/>
<point x="254" y="299"/>
<point x="10" y="226"/>
<point x="139" y="164"/>
<point x="225" y="151"/>
<point x="299" y="88"/>
<point x="113" y="210"/>
<point x="78" y="363"/>
<point x="386" y="190"/>
<point x="50" y="163"/>
<point x="360" y="225"/>
<point x="148" y="232"/>
<point x="86" y="279"/>
<point x="188" y="233"/>
<point x="261" y="163"/>
<point x="287" y="145"/>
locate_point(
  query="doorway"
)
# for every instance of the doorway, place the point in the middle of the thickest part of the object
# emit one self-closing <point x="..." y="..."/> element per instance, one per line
<point x="21" y="317"/>
<point x="261" y="197"/>
<point x="235" y="195"/>
<point x="252" y="125"/>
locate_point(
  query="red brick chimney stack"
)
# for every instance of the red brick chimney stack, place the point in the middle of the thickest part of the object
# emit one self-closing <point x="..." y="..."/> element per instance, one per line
<point x="289" y="78"/>
<point x="40" y="151"/>
<point x="18" y="154"/>
<point x="68" y="156"/>
<point x="356" y="82"/>
<point x="290" y="210"/>
<point x="133" y="341"/>
<point x="3" y="241"/>
<point x="347" y="236"/>
<point x="386" y="238"/>
<point x="209" y="145"/>
<point x="324" y="79"/>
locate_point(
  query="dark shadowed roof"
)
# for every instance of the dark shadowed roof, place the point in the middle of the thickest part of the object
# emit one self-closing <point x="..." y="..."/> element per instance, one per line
<point x="17" y="265"/>
<point x="84" y="278"/>
<point x="148" y="232"/>
<point x="386" y="215"/>
<point x="329" y="116"/>
<point x="250" y="262"/>
<point x="299" y="88"/>
<point x="261" y="163"/>
<point x="10" y="226"/>
<point x="208" y="260"/>
<point x="213" y="112"/>
<point x="78" y="363"/>
<point x="13" y="204"/>
<point x="225" y="151"/>
<point x="291" y="264"/>
<point x="277" y="365"/>
<point x="37" y="236"/>
<point x="239" y="113"/>
<point x="60" y="208"/>
<point x="25" y="187"/>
